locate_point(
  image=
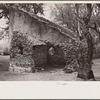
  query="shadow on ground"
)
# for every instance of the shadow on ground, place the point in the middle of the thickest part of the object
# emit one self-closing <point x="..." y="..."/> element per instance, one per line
<point x="50" y="73"/>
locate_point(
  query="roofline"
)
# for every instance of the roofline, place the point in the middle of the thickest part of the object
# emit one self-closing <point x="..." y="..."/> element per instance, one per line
<point x="46" y="21"/>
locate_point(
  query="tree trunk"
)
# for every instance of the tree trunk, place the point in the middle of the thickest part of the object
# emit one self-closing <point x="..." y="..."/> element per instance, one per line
<point x="85" y="69"/>
<point x="78" y="23"/>
<point x="86" y="52"/>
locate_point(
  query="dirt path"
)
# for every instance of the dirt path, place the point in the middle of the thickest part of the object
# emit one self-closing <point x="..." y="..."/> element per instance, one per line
<point x="96" y="69"/>
<point x="50" y="74"/>
<point x="56" y="74"/>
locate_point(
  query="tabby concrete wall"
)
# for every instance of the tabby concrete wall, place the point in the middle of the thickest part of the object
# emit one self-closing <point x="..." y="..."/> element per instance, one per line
<point x="22" y="22"/>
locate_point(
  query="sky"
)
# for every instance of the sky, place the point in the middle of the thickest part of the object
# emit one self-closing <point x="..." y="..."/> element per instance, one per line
<point x="47" y="11"/>
<point x="2" y="23"/>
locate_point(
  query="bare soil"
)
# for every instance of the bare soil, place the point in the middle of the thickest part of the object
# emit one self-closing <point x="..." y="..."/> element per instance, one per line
<point x="49" y="74"/>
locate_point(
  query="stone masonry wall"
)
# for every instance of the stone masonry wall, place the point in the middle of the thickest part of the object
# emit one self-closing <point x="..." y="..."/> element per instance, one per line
<point x="21" y="54"/>
<point x="27" y="25"/>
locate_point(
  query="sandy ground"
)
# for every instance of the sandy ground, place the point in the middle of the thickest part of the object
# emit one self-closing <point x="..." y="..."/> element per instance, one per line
<point x="49" y="74"/>
<point x="96" y="69"/>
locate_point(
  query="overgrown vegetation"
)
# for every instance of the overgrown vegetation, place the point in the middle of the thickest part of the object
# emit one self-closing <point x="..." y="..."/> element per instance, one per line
<point x="82" y="19"/>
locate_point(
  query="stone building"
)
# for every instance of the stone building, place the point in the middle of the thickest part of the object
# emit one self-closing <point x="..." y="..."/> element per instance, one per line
<point x="32" y="37"/>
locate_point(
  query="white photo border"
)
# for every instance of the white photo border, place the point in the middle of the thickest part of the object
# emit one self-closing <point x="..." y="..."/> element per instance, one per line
<point x="49" y="89"/>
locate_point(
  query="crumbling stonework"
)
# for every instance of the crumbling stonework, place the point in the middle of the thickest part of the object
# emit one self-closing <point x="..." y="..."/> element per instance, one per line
<point x="71" y="54"/>
<point x="21" y="54"/>
<point x="25" y="28"/>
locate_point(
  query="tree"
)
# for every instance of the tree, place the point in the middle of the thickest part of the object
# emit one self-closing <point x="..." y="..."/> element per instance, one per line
<point x="5" y="10"/>
<point x="33" y="8"/>
<point x="85" y="69"/>
<point x="80" y="18"/>
<point x="83" y="20"/>
<point x="64" y="16"/>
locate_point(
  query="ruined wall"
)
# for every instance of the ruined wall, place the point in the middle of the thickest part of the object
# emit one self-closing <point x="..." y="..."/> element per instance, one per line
<point x="21" y="54"/>
<point x="24" y="23"/>
<point x="58" y="57"/>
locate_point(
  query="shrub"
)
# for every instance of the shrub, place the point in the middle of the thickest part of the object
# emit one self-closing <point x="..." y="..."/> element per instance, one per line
<point x="6" y="51"/>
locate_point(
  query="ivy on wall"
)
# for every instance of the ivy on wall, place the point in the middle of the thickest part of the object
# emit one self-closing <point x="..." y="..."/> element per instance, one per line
<point x="21" y="51"/>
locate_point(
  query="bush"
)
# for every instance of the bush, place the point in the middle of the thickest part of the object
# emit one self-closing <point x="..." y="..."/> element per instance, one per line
<point x="6" y="51"/>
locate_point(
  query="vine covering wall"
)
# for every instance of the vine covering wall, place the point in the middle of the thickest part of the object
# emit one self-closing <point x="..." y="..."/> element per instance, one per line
<point x="21" y="53"/>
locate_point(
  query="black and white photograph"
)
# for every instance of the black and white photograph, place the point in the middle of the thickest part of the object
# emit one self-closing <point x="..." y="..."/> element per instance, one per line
<point x="49" y="41"/>
<point x="49" y="49"/>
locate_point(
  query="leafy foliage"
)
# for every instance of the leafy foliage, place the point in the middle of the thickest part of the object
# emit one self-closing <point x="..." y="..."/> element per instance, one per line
<point x="79" y="18"/>
<point x="23" y="59"/>
<point x="73" y="17"/>
<point x="33" y="8"/>
<point x="29" y="7"/>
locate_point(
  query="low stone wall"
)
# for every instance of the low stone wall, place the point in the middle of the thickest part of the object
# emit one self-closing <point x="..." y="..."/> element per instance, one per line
<point x="18" y="69"/>
<point x="22" y="64"/>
